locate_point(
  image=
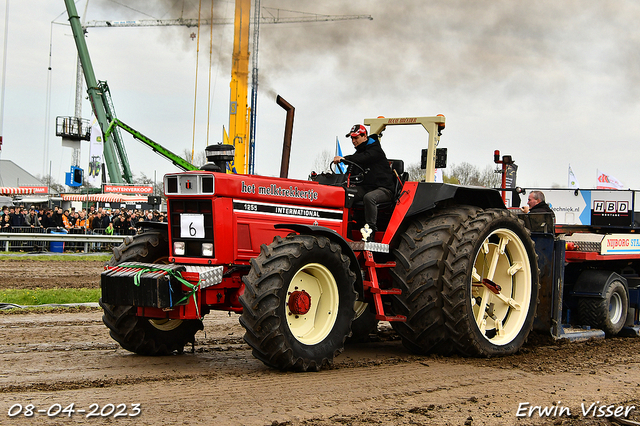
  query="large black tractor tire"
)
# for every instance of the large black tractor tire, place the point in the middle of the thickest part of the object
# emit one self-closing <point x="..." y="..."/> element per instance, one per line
<point x="298" y="303"/>
<point x="491" y="285"/>
<point x="146" y="336"/>
<point x="419" y="258"/>
<point x="609" y="313"/>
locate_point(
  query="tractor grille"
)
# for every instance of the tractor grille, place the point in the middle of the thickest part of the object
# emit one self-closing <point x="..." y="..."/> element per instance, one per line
<point x="193" y="246"/>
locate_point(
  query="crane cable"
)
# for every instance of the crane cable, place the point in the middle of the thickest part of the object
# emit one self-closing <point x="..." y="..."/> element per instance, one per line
<point x="195" y="96"/>
<point x="210" y="61"/>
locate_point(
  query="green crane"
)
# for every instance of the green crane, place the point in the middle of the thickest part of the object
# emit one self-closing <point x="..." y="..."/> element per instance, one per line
<point x="115" y="155"/>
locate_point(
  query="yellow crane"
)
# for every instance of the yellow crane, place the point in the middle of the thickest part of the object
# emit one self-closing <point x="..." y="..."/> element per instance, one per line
<point x="240" y="113"/>
<point x="239" y="110"/>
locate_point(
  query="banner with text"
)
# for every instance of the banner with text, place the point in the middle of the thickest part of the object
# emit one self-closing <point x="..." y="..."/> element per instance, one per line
<point x="128" y="189"/>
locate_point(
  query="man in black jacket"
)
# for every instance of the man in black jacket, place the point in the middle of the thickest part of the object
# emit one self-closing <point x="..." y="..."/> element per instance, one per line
<point x="57" y="217"/>
<point x="536" y="203"/>
<point x="378" y="183"/>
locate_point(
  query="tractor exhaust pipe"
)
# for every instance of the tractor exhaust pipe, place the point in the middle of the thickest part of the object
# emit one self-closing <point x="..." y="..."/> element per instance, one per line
<point x="288" y="132"/>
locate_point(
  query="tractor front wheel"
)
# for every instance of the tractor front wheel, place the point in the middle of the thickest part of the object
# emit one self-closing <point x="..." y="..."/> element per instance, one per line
<point x="298" y="303"/>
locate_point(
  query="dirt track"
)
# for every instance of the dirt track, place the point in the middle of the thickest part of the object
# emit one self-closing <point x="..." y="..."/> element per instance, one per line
<point x="30" y="274"/>
<point x="68" y="357"/>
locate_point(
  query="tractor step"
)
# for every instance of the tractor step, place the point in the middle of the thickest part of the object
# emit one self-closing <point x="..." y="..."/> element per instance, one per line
<point x="369" y="246"/>
<point x="374" y="288"/>
<point x="398" y="318"/>
<point x="382" y="291"/>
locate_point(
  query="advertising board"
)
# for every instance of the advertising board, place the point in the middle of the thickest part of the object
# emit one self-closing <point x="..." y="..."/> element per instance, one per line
<point x="591" y="206"/>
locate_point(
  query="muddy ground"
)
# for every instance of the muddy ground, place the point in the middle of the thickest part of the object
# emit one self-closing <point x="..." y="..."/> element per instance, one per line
<point x="66" y="356"/>
<point x="30" y="274"/>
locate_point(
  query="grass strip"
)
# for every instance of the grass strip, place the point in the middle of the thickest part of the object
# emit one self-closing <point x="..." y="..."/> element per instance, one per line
<point x="52" y="295"/>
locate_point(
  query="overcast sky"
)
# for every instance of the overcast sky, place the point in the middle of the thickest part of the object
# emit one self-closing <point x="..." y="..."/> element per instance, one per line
<point x="548" y="82"/>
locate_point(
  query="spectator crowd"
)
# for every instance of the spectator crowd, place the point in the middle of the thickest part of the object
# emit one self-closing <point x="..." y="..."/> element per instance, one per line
<point x="86" y="221"/>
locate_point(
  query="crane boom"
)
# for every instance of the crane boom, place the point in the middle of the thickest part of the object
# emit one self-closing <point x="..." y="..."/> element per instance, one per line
<point x="193" y="22"/>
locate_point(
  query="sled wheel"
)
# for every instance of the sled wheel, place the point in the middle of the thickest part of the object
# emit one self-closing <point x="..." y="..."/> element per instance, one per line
<point x="608" y="313"/>
<point x="146" y="336"/>
<point x="490" y="285"/>
<point x="298" y="303"/>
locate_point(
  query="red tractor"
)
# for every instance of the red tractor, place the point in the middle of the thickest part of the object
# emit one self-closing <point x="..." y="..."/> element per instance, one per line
<point x="450" y="267"/>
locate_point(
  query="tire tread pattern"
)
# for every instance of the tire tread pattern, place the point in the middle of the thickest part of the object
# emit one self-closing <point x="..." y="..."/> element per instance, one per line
<point x="262" y="305"/>
<point x="594" y="311"/>
<point x="459" y="318"/>
<point x="418" y="273"/>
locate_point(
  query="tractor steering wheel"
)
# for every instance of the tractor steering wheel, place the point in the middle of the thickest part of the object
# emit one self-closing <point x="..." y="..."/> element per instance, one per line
<point x="353" y="177"/>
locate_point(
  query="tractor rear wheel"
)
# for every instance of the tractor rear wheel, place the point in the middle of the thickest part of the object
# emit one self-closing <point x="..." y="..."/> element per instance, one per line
<point x="418" y="273"/>
<point x="146" y="336"/>
<point x="298" y="303"/>
<point x="491" y="285"/>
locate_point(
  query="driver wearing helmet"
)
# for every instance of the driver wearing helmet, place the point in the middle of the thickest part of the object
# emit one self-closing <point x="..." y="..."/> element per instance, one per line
<point x="378" y="183"/>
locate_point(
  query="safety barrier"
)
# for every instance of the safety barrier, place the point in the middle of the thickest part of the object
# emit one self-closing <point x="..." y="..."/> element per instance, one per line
<point x="58" y="240"/>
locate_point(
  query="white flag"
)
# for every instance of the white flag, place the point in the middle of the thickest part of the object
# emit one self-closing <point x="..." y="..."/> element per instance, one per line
<point x="95" y="155"/>
<point x="606" y="181"/>
<point x="573" y="181"/>
<point x="438" y="176"/>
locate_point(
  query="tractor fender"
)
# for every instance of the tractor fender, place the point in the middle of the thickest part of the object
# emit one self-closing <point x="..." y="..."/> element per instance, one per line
<point x="161" y="226"/>
<point x="428" y="195"/>
<point x="420" y="197"/>
<point x="335" y="237"/>
<point x="593" y="283"/>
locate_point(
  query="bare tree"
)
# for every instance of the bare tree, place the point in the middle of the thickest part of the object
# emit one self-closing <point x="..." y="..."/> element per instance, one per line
<point x="199" y="158"/>
<point x="468" y="174"/>
<point x="491" y="178"/>
<point x="416" y="174"/>
<point x="52" y="184"/>
<point x="144" y="180"/>
<point x="323" y="161"/>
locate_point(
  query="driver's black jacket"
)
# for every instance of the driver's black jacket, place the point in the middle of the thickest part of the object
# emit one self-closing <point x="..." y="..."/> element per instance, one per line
<point x="372" y="159"/>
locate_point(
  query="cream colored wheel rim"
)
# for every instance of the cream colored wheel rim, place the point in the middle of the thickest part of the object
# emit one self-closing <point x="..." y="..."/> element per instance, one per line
<point x="165" y="324"/>
<point x="316" y="324"/>
<point x="503" y="260"/>
<point x="360" y="308"/>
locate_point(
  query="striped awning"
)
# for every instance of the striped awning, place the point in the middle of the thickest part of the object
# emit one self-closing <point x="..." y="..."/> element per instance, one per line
<point x="6" y="190"/>
<point x="105" y="198"/>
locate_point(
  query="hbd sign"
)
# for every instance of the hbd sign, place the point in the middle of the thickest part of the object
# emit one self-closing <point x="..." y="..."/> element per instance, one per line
<point x="610" y="207"/>
<point x="614" y="210"/>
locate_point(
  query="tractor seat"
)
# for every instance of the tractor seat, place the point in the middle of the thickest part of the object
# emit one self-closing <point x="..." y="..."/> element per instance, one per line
<point x="400" y="176"/>
<point x="385" y="210"/>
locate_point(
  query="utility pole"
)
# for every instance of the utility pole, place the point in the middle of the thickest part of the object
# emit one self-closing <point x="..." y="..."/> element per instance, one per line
<point x="4" y="74"/>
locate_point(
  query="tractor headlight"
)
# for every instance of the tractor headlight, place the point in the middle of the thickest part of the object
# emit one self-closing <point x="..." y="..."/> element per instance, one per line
<point x="178" y="248"/>
<point x="207" y="249"/>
